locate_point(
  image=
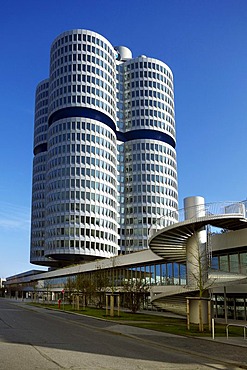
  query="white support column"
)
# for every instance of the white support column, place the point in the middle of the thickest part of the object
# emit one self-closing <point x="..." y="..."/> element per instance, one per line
<point x="196" y="246"/>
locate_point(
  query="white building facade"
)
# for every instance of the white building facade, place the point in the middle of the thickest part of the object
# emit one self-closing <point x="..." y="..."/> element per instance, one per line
<point x="104" y="164"/>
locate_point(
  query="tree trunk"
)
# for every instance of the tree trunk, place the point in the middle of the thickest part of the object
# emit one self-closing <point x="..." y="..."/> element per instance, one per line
<point x="200" y="316"/>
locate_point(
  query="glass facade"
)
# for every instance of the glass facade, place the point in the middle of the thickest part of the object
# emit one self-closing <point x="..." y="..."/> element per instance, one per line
<point x="233" y="306"/>
<point x="234" y="303"/>
<point x="158" y="273"/>
<point x="235" y="262"/>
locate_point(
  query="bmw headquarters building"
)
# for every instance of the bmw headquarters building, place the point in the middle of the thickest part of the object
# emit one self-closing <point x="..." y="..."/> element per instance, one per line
<point x="104" y="186"/>
<point x="104" y="165"/>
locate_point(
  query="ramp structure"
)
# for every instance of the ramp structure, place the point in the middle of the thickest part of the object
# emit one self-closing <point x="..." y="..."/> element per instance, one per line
<point x="187" y="241"/>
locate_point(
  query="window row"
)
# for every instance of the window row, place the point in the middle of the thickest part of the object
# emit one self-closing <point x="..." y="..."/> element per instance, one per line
<point x="75" y="219"/>
<point x="38" y="224"/>
<point x="38" y="195"/>
<point x="38" y="213"/>
<point x="145" y="158"/>
<point x="146" y="221"/>
<point x="143" y="199"/>
<point x="85" y="81"/>
<point x="74" y="89"/>
<point x="79" y="207"/>
<point x="41" y="121"/>
<point x="81" y="195"/>
<point x="234" y="262"/>
<point x="136" y="147"/>
<point x="38" y="233"/>
<point x="156" y="123"/>
<point x="39" y="139"/>
<point x="151" y="188"/>
<point x="38" y="177"/>
<point x="38" y="186"/>
<point x="42" y="87"/>
<point x="148" y="210"/>
<point x="154" y="184"/>
<point x="42" y="95"/>
<point x="57" y="104"/>
<point x="149" y="112"/>
<point x="80" y="232"/>
<point x="55" y="76"/>
<point x="75" y="183"/>
<point x="86" y="184"/>
<point x="63" y="64"/>
<point x="78" y="244"/>
<point x="79" y="37"/>
<point x="144" y="88"/>
<point x="79" y="149"/>
<point x="61" y="173"/>
<point x="41" y="112"/>
<point x="150" y="102"/>
<point x="81" y="99"/>
<point x="81" y="160"/>
<point x="82" y="125"/>
<point x="41" y="103"/>
<point x="40" y="129"/>
<point x="149" y="177"/>
<point x="146" y="65"/>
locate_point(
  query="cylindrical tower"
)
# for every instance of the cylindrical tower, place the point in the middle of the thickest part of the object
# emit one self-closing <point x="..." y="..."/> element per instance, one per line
<point x="81" y="207"/>
<point x="37" y="251"/>
<point x="149" y="148"/>
<point x="104" y="148"/>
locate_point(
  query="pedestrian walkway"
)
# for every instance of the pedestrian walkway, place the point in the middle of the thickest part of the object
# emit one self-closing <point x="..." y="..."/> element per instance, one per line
<point x="233" y="340"/>
<point x="228" y="351"/>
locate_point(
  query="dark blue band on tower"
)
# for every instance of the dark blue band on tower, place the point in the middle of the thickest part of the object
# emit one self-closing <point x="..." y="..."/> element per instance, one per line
<point x="146" y="134"/>
<point x="41" y="148"/>
<point x="82" y="112"/>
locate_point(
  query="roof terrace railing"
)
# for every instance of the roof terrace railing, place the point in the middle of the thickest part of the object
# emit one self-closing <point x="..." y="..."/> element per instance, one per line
<point x="198" y="211"/>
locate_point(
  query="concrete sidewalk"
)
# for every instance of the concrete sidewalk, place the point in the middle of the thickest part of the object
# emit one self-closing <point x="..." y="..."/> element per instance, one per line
<point x="231" y="351"/>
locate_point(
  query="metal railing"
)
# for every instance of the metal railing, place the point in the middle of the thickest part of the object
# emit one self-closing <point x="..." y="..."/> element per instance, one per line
<point x="244" y="326"/>
<point x="237" y="325"/>
<point x="203" y="210"/>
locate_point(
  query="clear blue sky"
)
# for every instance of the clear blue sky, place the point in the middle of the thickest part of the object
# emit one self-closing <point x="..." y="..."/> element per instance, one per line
<point x="203" y="41"/>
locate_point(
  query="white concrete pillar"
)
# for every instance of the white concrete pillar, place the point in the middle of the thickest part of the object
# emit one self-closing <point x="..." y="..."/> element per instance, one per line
<point x="194" y="314"/>
<point x="196" y="251"/>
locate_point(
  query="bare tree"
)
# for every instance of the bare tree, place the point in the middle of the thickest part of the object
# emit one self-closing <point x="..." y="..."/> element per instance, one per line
<point x="197" y="270"/>
<point x="79" y="288"/>
<point x="101" y="282"/>
<point x="112" y="277"/>
<point x="85" y="287"/>
<point x="70" y="288"/>
<point x="134" y="294"/>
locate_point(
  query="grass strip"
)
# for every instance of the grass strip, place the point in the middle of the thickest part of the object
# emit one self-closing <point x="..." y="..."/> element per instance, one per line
<point x="156" y="322"/>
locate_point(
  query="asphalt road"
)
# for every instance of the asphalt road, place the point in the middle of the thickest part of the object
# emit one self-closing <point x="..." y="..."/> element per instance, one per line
<point x="36" y="338"/>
